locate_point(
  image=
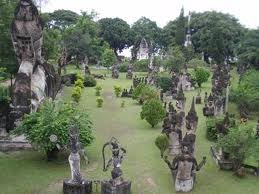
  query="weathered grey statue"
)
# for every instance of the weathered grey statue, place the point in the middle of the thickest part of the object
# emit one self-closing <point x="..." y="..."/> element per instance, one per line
<point x="183" y="170"/>
<point x="175" y="140"/>
<point x="191" y="119"/>
<point x="180" y="103"/>
<point x="117" y="185"/>
<point x="129" y="72"/>
<point x="115" y="72"/>
<point x="76" y="184"/>
<point x="35" y="79"/>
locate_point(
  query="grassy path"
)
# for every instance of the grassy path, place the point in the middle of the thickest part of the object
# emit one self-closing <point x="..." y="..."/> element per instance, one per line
<point x="28" y="173"/>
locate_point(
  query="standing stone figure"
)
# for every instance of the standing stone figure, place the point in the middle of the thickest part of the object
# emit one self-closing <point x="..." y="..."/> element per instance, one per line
<point x="183" y="170"/>
<point x="129" y="72"/>
<point x="175" y="139"/>
<point x="117" y="185"/>
<point x="191" y="119"/>
<point x="35" y="79"/>
<point x="115" y="72"/>
<point x="76" y="184"/>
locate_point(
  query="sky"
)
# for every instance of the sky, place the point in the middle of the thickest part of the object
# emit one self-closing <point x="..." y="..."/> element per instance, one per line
<point x="161" y="11"/>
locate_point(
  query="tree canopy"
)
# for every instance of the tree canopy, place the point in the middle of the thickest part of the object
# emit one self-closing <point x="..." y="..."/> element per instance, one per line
<point x="116" y="32"/>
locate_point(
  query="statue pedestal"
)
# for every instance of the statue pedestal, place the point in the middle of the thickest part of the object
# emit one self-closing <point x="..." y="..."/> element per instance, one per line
<point x="108" y="188"/>
<point x="75" y="188"/>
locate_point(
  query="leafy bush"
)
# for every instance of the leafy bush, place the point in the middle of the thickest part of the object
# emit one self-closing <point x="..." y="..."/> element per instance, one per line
<point x="79" y="83"/>
<point x="52" y="122"/>
<point x="4" y="94"/>
<point x="162" y="142"/>
<point x="123" y="104"/>
<point x="76" y="94"/>
<point x="212" y="133"/>
<point x="99" y="102"/>
<point x="144" y="92"/>
<point x="240" y="143"/>
<point x="153" y="112"/>
<point x="3" y="74"/>
<point x="194" y="63"/>
<point x="98" y="90"/>
<point x="117" y="91"/>
<point x="141" y="66"/>
<point x="80" y="77"/>
<point x="123" y="67"/>
<point x="164" y="83"/>
<point x="201" y="75"/>
<point x="247" y="93"/>
<point x="89" y="81"/>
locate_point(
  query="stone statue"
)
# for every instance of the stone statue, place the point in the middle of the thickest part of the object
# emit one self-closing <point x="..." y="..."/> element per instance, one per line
<point x="183" y="170"/>
<point x="189" y="141"/>
<point x="115" y="72"/>
<point x="35" y="79"/>
<point x="257" y="130"/>
<point x="129" y="72"/>
<point x="175" y="139"/>
<point x="180" y="103"/>
<point x="76" y="184"/>
<point x="192" y="118"/>
<point x="117" y="185"/>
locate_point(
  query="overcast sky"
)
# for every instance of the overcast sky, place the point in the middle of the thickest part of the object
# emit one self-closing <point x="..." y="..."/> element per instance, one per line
<point x="161" y="11"/>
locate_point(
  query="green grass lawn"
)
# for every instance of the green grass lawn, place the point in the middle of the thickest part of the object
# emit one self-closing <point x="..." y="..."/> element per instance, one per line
<point x="29" y="173"/>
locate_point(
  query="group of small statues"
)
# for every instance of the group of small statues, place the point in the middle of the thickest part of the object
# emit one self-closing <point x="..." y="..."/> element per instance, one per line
<point x="127" y="93"/>
<point x="139" y="80"/>
<point x="181" y="148"/>
<point x="215" y="102"/>
<point x="76" y="184"/>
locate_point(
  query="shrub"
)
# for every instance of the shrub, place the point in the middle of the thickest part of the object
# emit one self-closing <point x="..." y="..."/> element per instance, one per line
<point x="4" y="94"/>
<point x="99" y="102"/>
<point x="240" y="143"/>
<point x="201" y="75"/>
<point x="117" y="91"/>
<point x="144" y="92"/>
<point x="79" y="83"/>
<point x="162" y="142"/>
<point x="212" y="133"/>
<point x="153" y="112"/>
<point x="80" y="77"/>
<point x="98" y="90"/>
<point x="194" y="63"/>
<point x="89" y="81"/>
<point x="76" y="94"/>
<point x="47" y="129"/>
<point x="123" y="104"/>
<point x="164" y="83"/>
<point x="141" y="66"/>
<point x="123" y="67"/>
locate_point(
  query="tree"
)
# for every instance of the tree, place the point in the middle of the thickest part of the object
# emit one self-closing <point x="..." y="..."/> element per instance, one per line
<point x="240" y="143"/>
<point x="145" y="28"/>
<point x="180" y="29"/>
<point x="60" y="19"/>
<point x="81" y="39"/>
<point x="216" y="35"/>
<point x="247" y="92"/>
<point x="143" y="93"/>
<point x="108" y="58"/>
<point x="153" y="112"/>
<point x="248" y="50"/>
<point x="174" y="60"/>
<point x="201" y="75"/>
<point x="195" y="62"/>
<point x="7" y="55"/>
<point x="116" y="32"/>
<point x="168" y="35"/>
<point x="162" y="142"/>
<point x="48" y="128"/>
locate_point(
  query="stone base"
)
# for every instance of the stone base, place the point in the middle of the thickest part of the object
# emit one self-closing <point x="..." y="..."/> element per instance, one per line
<point x="108" y="188"/>
<point x="10" y="143"/>
<point x="74" y="188"/>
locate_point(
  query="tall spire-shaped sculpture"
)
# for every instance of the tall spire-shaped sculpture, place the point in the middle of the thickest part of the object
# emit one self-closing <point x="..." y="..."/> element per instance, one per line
<point x="192" y="118"/>
<point x="188" y="41"/>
